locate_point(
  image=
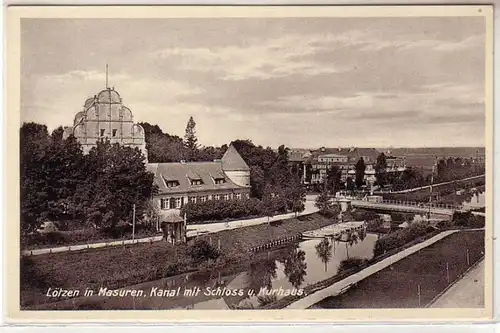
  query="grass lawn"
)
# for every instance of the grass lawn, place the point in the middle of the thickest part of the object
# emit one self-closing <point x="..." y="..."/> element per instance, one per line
<point x="122" y="266"/>
<point x="397" y="286"/>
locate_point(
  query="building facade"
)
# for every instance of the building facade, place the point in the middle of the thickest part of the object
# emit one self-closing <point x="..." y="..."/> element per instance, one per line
<point x="183" y="182"/>
<point x="104" y="116"/>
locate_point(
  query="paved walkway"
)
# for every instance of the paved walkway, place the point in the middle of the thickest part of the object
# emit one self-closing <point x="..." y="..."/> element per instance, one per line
<point x="468" y="292"/>
<point x="192" y="230"/>
<point x="337" y="288"/>
<point x="200" y="229"/>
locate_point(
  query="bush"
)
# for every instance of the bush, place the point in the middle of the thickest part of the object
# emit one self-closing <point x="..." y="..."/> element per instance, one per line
<point x="400" y="237"/>
<point x="468" y="220"/>
<point x="364" y="215"/>
<point x="351" y="263"/>
<point x="201" y="250"/>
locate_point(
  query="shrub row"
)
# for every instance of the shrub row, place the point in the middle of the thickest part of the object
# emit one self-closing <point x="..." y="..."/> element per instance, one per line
<point x="400" y="237"/>
<point x="82" y="236"/>
<point x="230" y="209"/>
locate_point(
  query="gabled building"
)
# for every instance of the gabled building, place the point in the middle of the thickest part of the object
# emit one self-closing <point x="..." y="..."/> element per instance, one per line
<point x="183" y="182"/>
<point x="104" y="116"/>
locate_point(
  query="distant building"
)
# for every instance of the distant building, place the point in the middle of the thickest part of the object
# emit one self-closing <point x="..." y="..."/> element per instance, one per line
<point x="183" y="182"/>
<point x="104" y="116"/>
<point x="344" y="159"/>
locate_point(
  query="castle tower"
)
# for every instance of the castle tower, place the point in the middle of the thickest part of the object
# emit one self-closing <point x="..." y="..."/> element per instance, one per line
<point x="235" y="167"/>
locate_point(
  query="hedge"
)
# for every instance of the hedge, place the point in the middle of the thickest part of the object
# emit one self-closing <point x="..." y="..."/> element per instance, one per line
<point x="400" y="237"/>
<point x="227" y="209"/>
<point x="83" y="236"/>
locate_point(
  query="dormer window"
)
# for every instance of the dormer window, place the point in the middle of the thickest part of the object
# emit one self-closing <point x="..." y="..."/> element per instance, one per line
<point x="219" y="181"/>
<point x="196" y="181"/>
<point x="172" y="183"/>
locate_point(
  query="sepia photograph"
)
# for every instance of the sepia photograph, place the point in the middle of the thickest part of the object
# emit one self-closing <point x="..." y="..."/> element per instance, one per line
<point x="319" y="162"/>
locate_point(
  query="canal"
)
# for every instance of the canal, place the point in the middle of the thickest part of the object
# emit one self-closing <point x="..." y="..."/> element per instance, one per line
<point x="283" y="270"/>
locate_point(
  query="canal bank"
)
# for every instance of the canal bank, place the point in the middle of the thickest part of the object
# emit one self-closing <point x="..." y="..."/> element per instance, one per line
<point x="121" y="266"/>
<point x="268" y="278"/>
<point x="407" y="281"/>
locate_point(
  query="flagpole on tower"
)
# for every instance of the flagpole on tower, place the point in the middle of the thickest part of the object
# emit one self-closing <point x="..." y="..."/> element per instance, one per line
<point x="106" y="76"/>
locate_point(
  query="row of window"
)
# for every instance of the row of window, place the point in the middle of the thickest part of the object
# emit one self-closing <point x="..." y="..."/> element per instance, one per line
<point x="103" y="131"/>
<point x="178" y="202"/>
<point x="175" y="183"/>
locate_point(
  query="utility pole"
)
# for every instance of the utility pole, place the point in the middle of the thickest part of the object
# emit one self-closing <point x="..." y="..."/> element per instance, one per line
<point x="432" y="183"/>
<point x="418" y="291"/>
<point x="468" y="258"/>
<point x="447" y="273"/>
<point x="133" y="223"/>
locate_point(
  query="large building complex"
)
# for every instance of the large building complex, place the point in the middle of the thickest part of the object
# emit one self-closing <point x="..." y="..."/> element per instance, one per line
<point x="314" y="164"/>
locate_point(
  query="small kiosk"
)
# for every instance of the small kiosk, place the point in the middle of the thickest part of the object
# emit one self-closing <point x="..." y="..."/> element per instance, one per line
<point x="173" y="227"/>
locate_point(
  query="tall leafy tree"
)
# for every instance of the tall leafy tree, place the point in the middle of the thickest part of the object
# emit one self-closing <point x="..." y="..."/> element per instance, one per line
<point x="62" y="167"/>
<point x="360" y="172"/>
<point x="296" y="195"/>
<point x="34" y="142"/>
<point x="324" y="252"/>
<point x="323" y="202"/>
<point x="269" y="202"/>
<point x="295" y="267"/>
<point x="118" y="179"/>
<point x="381" y="169"/>
<point x="333" y="177"/>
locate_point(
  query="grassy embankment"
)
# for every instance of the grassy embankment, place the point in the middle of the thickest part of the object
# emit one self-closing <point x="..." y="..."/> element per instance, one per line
<point x="127" y="265"/>
<point x="397" y="285"/>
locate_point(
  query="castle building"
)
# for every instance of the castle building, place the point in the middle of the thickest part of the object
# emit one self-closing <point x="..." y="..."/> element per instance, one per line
<point x="104" y="116"/>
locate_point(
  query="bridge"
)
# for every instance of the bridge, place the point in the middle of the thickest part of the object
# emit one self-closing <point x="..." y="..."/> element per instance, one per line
<point x="407" y="207"/>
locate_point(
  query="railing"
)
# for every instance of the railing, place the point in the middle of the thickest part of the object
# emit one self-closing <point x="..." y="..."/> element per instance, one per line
<point x="411" y="204"/>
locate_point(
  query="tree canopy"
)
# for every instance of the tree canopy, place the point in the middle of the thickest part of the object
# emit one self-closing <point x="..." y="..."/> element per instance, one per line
<point x="59" y="182"/>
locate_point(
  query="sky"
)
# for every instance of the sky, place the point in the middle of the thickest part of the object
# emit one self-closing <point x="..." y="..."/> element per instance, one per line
<point x="301" y="82"/>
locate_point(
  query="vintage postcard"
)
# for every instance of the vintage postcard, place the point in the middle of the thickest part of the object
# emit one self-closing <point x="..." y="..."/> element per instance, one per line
<point x="235" y="164"/>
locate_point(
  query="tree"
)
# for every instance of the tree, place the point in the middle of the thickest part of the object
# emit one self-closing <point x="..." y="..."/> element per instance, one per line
<point x="324" y="251"/>
<point x="350" y="185"/>
<point x="190" y="140"/>
<point x="323" y="203"/>
<point x="360" y="172"/>
<point x="117" y="179"/>
<point x="268" y="203"/>
<point x="295" y="267"/>
<point x="62" y="167"/>
<point x="352" y="238"/>
<point x="333" y="177"/>
<point x="57" y="134"/>
<point x="262" y="274"/>
<point x="381" y="169"/>
<point x="296" y="196"/>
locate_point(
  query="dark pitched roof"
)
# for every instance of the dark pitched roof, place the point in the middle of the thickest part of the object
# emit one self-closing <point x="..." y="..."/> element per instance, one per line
<point x="183" y="172"/>
<point x="232" y="160"/>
